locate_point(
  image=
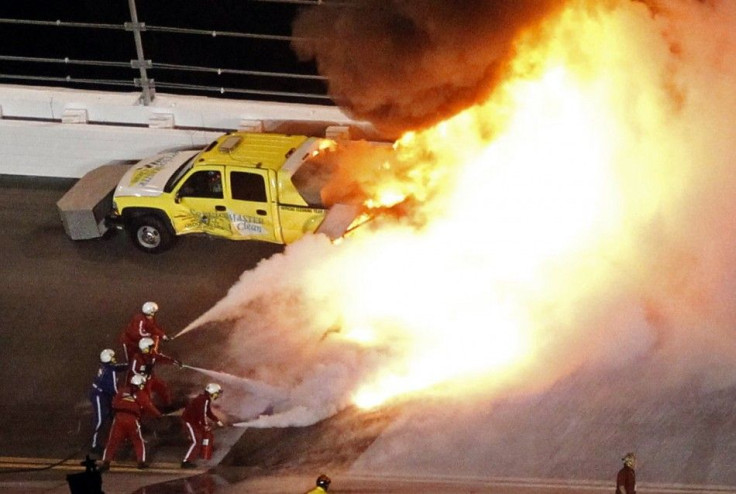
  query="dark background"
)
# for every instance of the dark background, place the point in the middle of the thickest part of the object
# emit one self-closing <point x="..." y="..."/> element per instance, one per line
<point x="117" y="45"/>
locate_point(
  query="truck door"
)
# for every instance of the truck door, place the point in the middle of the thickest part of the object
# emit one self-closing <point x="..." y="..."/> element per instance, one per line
<point x="249" y="205"/>
<point x="200" y="203"/>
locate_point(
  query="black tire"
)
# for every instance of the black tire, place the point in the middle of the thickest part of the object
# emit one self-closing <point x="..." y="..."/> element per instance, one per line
<point x="150" y="234"/>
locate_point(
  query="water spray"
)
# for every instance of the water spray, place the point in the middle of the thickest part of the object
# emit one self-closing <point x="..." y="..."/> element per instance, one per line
<point x="257" y="388"/>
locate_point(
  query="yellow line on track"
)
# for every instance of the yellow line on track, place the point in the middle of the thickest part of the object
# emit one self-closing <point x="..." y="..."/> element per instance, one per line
<point x="15" y="462"/>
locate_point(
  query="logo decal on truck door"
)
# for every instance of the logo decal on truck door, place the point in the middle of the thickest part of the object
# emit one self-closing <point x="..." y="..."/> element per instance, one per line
<point x="247" y="225"/>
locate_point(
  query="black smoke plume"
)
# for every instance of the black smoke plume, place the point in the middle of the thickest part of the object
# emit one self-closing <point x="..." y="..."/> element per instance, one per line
<point x="409" y="64"/>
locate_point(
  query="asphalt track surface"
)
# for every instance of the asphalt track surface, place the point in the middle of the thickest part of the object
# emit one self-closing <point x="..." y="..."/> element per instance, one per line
<point x="62" y="301"/>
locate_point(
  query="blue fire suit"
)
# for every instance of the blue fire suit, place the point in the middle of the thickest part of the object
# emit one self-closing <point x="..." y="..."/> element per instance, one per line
<point x="104" y="388"/>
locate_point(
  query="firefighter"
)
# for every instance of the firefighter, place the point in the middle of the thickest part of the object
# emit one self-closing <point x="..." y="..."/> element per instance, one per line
<point x="143" y="325"/>
<point x="128" y="405"/>
<point x="143" y="363"/>
<point x="323" y="483"/>
<point x="626" y="477"/>
<point x="104" y="388"/>
<point x="195" y="423"/>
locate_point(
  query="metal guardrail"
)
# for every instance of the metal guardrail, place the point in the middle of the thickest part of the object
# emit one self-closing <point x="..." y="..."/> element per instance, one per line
<point x="306" y="85"/>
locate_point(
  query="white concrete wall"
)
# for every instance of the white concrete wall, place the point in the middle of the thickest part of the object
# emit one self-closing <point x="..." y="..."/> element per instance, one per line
<point x="66" y="133"/>
<point x="71" y="150"/>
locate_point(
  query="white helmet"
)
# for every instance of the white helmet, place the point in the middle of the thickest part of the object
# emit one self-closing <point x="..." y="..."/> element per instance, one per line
<point x="213" y="388"/>
<point x="107" y="355"/>
<point x="149" y="308"/>
<point x="145" y="343"/>
<point x="138" y="380"/>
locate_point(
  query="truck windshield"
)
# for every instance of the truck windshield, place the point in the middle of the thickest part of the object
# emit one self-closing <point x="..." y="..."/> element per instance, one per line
<point x="180" y="172"/>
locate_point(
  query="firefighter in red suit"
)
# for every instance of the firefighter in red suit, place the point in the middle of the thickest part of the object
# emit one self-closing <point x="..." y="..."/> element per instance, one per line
<point x="128" y="405"/>
<point x="143" y="363"/>
<point x="143" y="325"/>
<point x="195" y="418"/>
<point x="626" y="477"/>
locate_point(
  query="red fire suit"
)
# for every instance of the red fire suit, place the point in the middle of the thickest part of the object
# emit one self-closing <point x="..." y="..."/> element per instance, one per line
<point x="141" y="326"/>
<point x="128" y="405"/>
<point x="626" y="481"/>
<point x="194" y="418"/>
<point x="143" y="364"/>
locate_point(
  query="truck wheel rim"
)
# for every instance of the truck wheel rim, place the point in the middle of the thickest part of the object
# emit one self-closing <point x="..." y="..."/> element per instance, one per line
<point x="149" y="237"/>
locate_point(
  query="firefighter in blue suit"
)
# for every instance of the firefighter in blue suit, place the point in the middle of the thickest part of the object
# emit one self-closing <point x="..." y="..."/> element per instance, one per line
<point x="104" y="388"/>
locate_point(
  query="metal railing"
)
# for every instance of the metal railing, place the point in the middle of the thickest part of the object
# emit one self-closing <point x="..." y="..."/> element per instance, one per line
<point x="288" y="80"/>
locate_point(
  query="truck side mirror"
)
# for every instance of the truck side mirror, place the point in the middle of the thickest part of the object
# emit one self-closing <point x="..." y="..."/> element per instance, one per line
<point x="177" y="198"/>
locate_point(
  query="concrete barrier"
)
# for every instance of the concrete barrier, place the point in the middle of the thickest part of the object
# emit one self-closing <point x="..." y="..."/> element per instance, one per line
<point x="66" y="133"/>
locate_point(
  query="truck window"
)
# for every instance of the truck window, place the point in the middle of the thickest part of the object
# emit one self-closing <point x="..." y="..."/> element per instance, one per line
<point x="183" y="170"/>
<point x="248" y="187"/>
<point x="206" y="183"/>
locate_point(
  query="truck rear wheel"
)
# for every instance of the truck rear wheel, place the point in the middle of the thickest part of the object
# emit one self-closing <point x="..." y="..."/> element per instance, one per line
<point x="150" y="234"/>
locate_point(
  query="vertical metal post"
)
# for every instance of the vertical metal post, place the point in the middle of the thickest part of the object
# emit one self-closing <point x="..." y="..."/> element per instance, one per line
<point x="145" y="83"/>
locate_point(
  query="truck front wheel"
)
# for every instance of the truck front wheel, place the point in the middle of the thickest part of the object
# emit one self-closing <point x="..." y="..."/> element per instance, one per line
<point x="150" y="234"/>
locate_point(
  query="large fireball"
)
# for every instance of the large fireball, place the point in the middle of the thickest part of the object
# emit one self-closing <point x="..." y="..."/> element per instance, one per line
<point x="527" y="231"/>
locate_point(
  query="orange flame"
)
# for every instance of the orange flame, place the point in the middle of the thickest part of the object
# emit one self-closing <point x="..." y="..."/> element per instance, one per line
<point x="510" y="192"/>
<point x="509" y="219"/>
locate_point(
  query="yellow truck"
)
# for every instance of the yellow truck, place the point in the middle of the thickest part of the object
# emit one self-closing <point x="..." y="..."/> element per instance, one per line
<point x="243" y="186"/>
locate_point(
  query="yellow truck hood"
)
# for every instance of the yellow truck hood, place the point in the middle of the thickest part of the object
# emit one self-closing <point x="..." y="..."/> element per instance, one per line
<point x="148" y="177"/>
